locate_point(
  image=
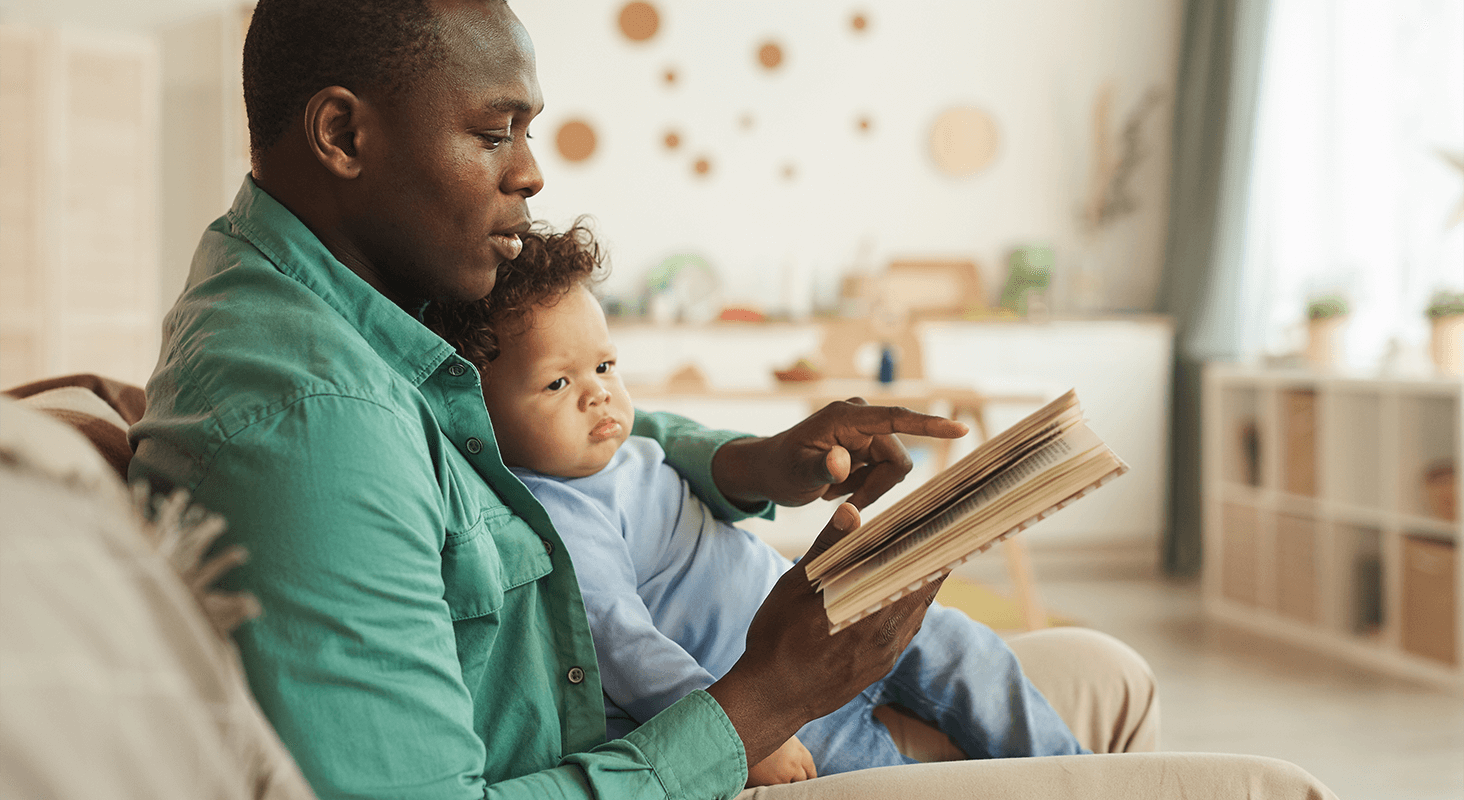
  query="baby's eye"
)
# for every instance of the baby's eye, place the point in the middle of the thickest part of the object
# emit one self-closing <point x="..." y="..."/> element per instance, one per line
<point x="556" y="385"/>
<point x="605" y="366"/>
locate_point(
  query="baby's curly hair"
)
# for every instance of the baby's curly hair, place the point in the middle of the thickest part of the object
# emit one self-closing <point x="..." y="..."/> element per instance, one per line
<point x="550" y="265"/>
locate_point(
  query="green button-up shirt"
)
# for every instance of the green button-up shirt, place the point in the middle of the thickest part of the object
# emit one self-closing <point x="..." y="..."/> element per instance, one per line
<point x="423" y="633"/>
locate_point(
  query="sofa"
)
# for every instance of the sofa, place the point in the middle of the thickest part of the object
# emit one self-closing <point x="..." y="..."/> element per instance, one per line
<point x="117" y="674"/>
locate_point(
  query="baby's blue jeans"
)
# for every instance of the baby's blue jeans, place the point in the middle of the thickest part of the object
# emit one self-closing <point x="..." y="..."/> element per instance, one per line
<point x="959" y="675"/>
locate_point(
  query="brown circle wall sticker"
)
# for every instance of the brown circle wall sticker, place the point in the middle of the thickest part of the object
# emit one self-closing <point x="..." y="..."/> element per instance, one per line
<point x="963" y="141"/>
<point x="575" y="140"/>
<point x="770" y="55"/>
<point x="639" y="21"/>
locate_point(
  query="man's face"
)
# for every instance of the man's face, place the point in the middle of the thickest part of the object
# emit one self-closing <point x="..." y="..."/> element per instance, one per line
<point x="443" y="191"/>
<point x="557" y="403"/>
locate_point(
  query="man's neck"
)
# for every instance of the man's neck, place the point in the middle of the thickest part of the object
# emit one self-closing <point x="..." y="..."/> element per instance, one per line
<point x="299" y="184"/>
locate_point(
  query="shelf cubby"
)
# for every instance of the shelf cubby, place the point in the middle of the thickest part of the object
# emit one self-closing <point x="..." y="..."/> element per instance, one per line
<point x="1331" y="515"/>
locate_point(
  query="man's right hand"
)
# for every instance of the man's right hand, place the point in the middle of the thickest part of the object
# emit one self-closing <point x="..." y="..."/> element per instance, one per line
<point x="793" y="670"/>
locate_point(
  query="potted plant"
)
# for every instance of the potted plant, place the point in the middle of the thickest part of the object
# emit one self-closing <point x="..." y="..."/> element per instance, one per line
<point x="1325" y="317"/>
<point x="1446" y="316"/>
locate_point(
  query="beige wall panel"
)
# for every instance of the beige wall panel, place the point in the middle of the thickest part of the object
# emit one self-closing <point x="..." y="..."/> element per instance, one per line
<point x="110" y="252"/>
<point x="19" y="359"/>
<point x="19" y="154"/>
<point x="124" y="352"/>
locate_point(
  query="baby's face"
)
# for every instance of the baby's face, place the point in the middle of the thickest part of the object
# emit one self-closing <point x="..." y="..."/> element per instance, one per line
<point x="557" y="403"/>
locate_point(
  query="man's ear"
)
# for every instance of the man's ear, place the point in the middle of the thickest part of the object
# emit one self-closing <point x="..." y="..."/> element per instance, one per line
<point x="334" y="130"/>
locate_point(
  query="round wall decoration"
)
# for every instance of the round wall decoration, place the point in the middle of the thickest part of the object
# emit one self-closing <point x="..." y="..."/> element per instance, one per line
<point x="859" y="22"/>
<point x="672" y="140"/>
<point x="575" y="140"/>
<point x="770" y="55"/>
<point x="963" y="141"/>
<point x="702" y="166"/>
<point x="639" y="21"/>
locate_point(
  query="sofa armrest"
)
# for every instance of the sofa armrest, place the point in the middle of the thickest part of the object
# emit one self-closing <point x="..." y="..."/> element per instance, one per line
<point x="100" y="409"/>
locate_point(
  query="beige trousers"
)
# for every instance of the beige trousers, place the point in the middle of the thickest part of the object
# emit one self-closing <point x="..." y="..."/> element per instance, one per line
<point x="1107" y="694"/>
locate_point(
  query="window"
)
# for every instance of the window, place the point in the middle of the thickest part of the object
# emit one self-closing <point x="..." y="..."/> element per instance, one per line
<point x="1357" y="187"/>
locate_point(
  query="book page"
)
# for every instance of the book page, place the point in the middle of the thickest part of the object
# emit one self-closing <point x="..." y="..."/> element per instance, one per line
<point x="991" y="457"/>
<point x="1019" y="477"/>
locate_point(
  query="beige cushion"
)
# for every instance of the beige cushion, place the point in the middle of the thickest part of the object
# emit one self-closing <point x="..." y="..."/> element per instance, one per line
<point x="112" y="681"/>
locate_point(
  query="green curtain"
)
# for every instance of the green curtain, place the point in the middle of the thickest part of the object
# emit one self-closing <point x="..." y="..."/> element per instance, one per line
<point x="1214" y="118"/>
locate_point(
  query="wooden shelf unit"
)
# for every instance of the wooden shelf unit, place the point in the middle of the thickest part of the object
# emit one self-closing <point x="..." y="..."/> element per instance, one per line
<point x="1326" y="518"/>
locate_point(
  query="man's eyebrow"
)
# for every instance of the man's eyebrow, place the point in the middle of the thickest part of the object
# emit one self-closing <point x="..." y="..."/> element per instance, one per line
<point x="510" y="104"/>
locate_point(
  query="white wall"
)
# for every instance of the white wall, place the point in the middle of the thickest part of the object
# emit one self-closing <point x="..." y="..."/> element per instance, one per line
<point x="1034" y="65"/>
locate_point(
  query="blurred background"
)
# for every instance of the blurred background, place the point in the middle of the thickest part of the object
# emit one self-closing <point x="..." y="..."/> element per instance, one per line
<point x="1237" y="228"/>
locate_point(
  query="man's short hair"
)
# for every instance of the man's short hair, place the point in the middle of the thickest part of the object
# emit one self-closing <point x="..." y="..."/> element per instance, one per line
<point x="295" y="48"/>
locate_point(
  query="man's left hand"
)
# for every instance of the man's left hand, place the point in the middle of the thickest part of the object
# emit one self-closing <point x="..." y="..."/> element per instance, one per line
<point x="845" y="448"/>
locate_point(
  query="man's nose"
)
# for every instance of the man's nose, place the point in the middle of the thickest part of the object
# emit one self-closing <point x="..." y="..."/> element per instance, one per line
<point x="523" y="177"/>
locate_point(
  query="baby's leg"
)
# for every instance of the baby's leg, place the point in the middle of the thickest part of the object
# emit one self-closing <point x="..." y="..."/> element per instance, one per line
<point x="851" y="738"/>
<point x="961" y="676"/>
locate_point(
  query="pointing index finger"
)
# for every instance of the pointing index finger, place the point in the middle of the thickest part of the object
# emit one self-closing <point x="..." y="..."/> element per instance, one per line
<point x="881" y="420"/>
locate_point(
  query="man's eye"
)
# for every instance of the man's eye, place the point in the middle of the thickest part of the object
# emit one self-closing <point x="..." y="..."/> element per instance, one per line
<point x="605" y="366"/>
<point x="559" y="383"/>
<point x="492" y="141"/>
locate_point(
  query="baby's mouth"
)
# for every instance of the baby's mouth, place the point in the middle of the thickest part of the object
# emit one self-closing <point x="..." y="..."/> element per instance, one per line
<point x="604" y="429"/>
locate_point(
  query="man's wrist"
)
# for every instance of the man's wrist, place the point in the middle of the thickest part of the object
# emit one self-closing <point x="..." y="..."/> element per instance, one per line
<point x="735" y="470"/>
<point x="762" y="723"/>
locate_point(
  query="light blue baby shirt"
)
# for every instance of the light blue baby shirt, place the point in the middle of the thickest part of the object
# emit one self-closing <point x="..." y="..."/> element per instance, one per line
<point x="669" y="589"/>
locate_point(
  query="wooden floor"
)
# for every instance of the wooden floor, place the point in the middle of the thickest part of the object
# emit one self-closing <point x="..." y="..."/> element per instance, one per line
<point x="1367" y="736"/>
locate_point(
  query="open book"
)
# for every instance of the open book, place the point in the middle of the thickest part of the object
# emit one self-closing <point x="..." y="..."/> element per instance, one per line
<point x="1005" y="485"/>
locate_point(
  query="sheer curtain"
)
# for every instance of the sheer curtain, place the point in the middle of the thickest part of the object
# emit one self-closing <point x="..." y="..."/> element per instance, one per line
<point x="1353" y="186"/>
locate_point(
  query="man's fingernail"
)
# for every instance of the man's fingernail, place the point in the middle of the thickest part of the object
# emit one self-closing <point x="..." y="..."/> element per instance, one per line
<point x="843" y="517"/>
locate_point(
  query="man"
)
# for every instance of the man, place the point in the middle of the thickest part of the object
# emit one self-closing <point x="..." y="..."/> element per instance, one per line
<point x="423" y="633"/>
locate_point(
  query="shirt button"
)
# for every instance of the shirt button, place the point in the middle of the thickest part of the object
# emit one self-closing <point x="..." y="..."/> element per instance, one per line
<point x="548" y="546"/>
<point x="576" y="675"/>
<point x="475" y="445"/>
<point x="456" y="370"/>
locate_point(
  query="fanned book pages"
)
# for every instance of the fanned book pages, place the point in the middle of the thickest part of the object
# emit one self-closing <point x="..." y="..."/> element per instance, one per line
<point x="1008" y="483"/>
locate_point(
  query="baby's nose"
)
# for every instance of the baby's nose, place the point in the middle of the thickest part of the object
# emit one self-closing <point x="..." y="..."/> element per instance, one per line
<point x="596" y="394"/>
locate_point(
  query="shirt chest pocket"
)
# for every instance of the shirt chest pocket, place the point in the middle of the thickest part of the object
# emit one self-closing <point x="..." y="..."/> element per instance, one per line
<point x="496" y="555"/>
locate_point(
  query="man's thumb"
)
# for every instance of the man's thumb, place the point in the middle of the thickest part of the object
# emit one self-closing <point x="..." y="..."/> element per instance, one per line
<point x="844" y="520"/>
<point x="835" y="467"/>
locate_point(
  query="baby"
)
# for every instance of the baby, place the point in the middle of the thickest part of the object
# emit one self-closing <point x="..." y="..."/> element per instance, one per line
<point x="669" y="589"/>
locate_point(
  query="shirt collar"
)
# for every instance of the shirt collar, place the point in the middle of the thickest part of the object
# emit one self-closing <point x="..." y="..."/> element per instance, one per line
<point x="400" y="339"/>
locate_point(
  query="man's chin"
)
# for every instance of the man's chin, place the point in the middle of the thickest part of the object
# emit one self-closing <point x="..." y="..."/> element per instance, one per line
<point x="471" y="291"/>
